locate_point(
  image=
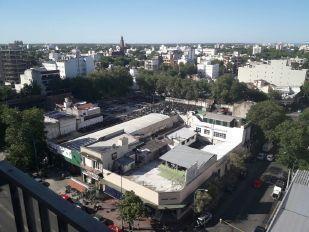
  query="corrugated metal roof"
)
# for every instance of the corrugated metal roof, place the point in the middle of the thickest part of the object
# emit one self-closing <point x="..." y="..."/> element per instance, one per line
<point x="186" y="157"/>
<point x="293" y="214"/>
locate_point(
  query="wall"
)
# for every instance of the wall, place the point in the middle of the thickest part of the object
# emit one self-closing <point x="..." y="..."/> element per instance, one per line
<point x="89" y="122"/>
<point x="129" y="185"/>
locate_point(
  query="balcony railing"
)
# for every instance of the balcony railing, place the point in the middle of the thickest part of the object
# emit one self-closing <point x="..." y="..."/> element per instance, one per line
<point x="24" y="191"/>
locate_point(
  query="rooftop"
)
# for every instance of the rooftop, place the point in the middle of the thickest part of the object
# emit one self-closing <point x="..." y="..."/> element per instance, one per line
<point x="293" y="213"/>
<point x="102" y="146"/>
<point x="186" y="157"/>
<point x="129" y="127"/>
<point x="58" y="115"/>
<point x="221" y="117"/>
<point x="182" y="134"/>
<point x="149" y="176"/>
<point x="153" y="145"/>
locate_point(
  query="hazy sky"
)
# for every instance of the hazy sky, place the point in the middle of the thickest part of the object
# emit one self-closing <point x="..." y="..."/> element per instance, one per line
<point x="154" y="21"/>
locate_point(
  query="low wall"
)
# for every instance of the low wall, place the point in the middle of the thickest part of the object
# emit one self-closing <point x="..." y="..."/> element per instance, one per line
<point x="128" y="185"/>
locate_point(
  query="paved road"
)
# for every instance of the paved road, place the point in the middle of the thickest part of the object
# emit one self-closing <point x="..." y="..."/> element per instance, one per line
<point x="247" y="207"/>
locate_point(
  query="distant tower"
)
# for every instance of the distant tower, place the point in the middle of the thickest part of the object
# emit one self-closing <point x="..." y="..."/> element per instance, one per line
<point x="121" y="43"/>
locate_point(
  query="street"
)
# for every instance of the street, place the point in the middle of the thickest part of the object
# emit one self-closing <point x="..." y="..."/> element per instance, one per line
<point x="247" y="207"/>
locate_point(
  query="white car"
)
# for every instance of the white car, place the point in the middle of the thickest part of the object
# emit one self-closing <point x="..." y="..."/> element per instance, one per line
<point x="276" y="192"/>
<point x="270" y="157"/>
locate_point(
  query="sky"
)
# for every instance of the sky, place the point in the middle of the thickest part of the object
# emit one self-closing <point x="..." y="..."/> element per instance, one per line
<point x="154" y="21"/>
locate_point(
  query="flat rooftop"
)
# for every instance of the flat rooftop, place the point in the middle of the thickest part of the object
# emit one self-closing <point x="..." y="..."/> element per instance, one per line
<point x="221" y="117"/>
<point x="182" y="134"/>
<point x="149" y="176"/>
<point x="102" y="146"/>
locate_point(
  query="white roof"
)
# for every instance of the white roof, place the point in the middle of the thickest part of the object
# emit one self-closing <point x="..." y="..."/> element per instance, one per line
<point x="128" y="127"/>
<point x="221" y="149"/>
<point x="182" y="134"/>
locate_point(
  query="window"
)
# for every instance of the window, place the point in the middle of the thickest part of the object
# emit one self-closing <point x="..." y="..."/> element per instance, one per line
<point x="198" y="129"/>
<point x="211" y="121"/>
<point x="218" y="122"/>
<point x="219" y="135"/>
<point x="83" y="160"/>
<point x="93" y="164"/>
<point x="97" y="165"/>
<point x="114" y="156"/>
<point x="224" y="123"/>
<point x="206" y="132"/>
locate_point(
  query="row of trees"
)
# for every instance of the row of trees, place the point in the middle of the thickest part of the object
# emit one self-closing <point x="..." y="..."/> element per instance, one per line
<point x="98" y="85"/>
<point x="290" y="137"/>
<point x="22" y="136"/>
<point x="225" y="89"/>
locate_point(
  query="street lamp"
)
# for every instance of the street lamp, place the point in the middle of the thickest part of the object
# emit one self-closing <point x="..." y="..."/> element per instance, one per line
<point x="229" y="224"/>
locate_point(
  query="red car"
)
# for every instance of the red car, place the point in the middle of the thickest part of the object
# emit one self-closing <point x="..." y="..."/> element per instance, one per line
<point x="66" y="197"/>
<point x="257" y="183"/>
<point x="114" y="228"/>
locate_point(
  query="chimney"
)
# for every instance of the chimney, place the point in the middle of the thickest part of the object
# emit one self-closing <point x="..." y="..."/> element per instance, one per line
<point x="122" y="142"/>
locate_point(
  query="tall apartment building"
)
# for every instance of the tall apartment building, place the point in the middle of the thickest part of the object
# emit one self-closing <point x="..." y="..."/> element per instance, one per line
<point x="256" y="49"/>
<point x="40" y="76"/>
<point x="13" y="62"/>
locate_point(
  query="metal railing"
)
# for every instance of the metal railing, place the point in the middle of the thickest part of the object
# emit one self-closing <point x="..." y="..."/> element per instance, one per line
<point x="47" y="201"/>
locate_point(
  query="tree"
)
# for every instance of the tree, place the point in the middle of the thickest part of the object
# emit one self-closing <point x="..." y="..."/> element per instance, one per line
<point x="25" y="137"/>
<point x="2" y="128"/>
<point x="131" y="207"/>
<point x="266" y="115"/>
<point x="293" y="141"/>
<point x="202" y="200"/>
<point x="304" y="117"/>
<point x="274" y="95"/>
<point x="33" y="89"/>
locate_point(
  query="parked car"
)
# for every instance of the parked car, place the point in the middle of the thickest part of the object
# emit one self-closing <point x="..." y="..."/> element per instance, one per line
<point x="261" y="156"/>
<point x="270" y="157"/>
<point x="276" y="192"/>
<point x="257" y="183"/>
<point x="203" y="220"/>
<point x="67" y="198"/>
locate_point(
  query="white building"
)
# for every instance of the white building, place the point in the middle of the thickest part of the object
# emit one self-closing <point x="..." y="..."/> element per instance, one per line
<point x="58" y="124"/>
<point x="71" y="67"/>
<point x="183" y="136"/>
<point x="256" y="49"/>
<point x="275" y="72"/>
<point x="208" y="70"/>
<point x="152" y="64"/>
<point x="40" y="76"/>
<point x="86" y="114"/>
<point x="209" y="51"/>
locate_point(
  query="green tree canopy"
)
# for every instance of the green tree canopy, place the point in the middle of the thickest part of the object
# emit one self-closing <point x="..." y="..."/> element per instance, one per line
<point x="131" y="207"/>
<point x="293" y="141"/>
<point x="266" y="115"/>
<point x="24" y="137"/>
<point x="202" y="201"/>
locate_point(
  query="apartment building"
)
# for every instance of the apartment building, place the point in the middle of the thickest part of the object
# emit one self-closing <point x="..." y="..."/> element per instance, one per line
<point x="276" y="72"/>
<point x="13" y="62"/>
<point x="40" y="76"/>
<point x="71" y="67"/>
